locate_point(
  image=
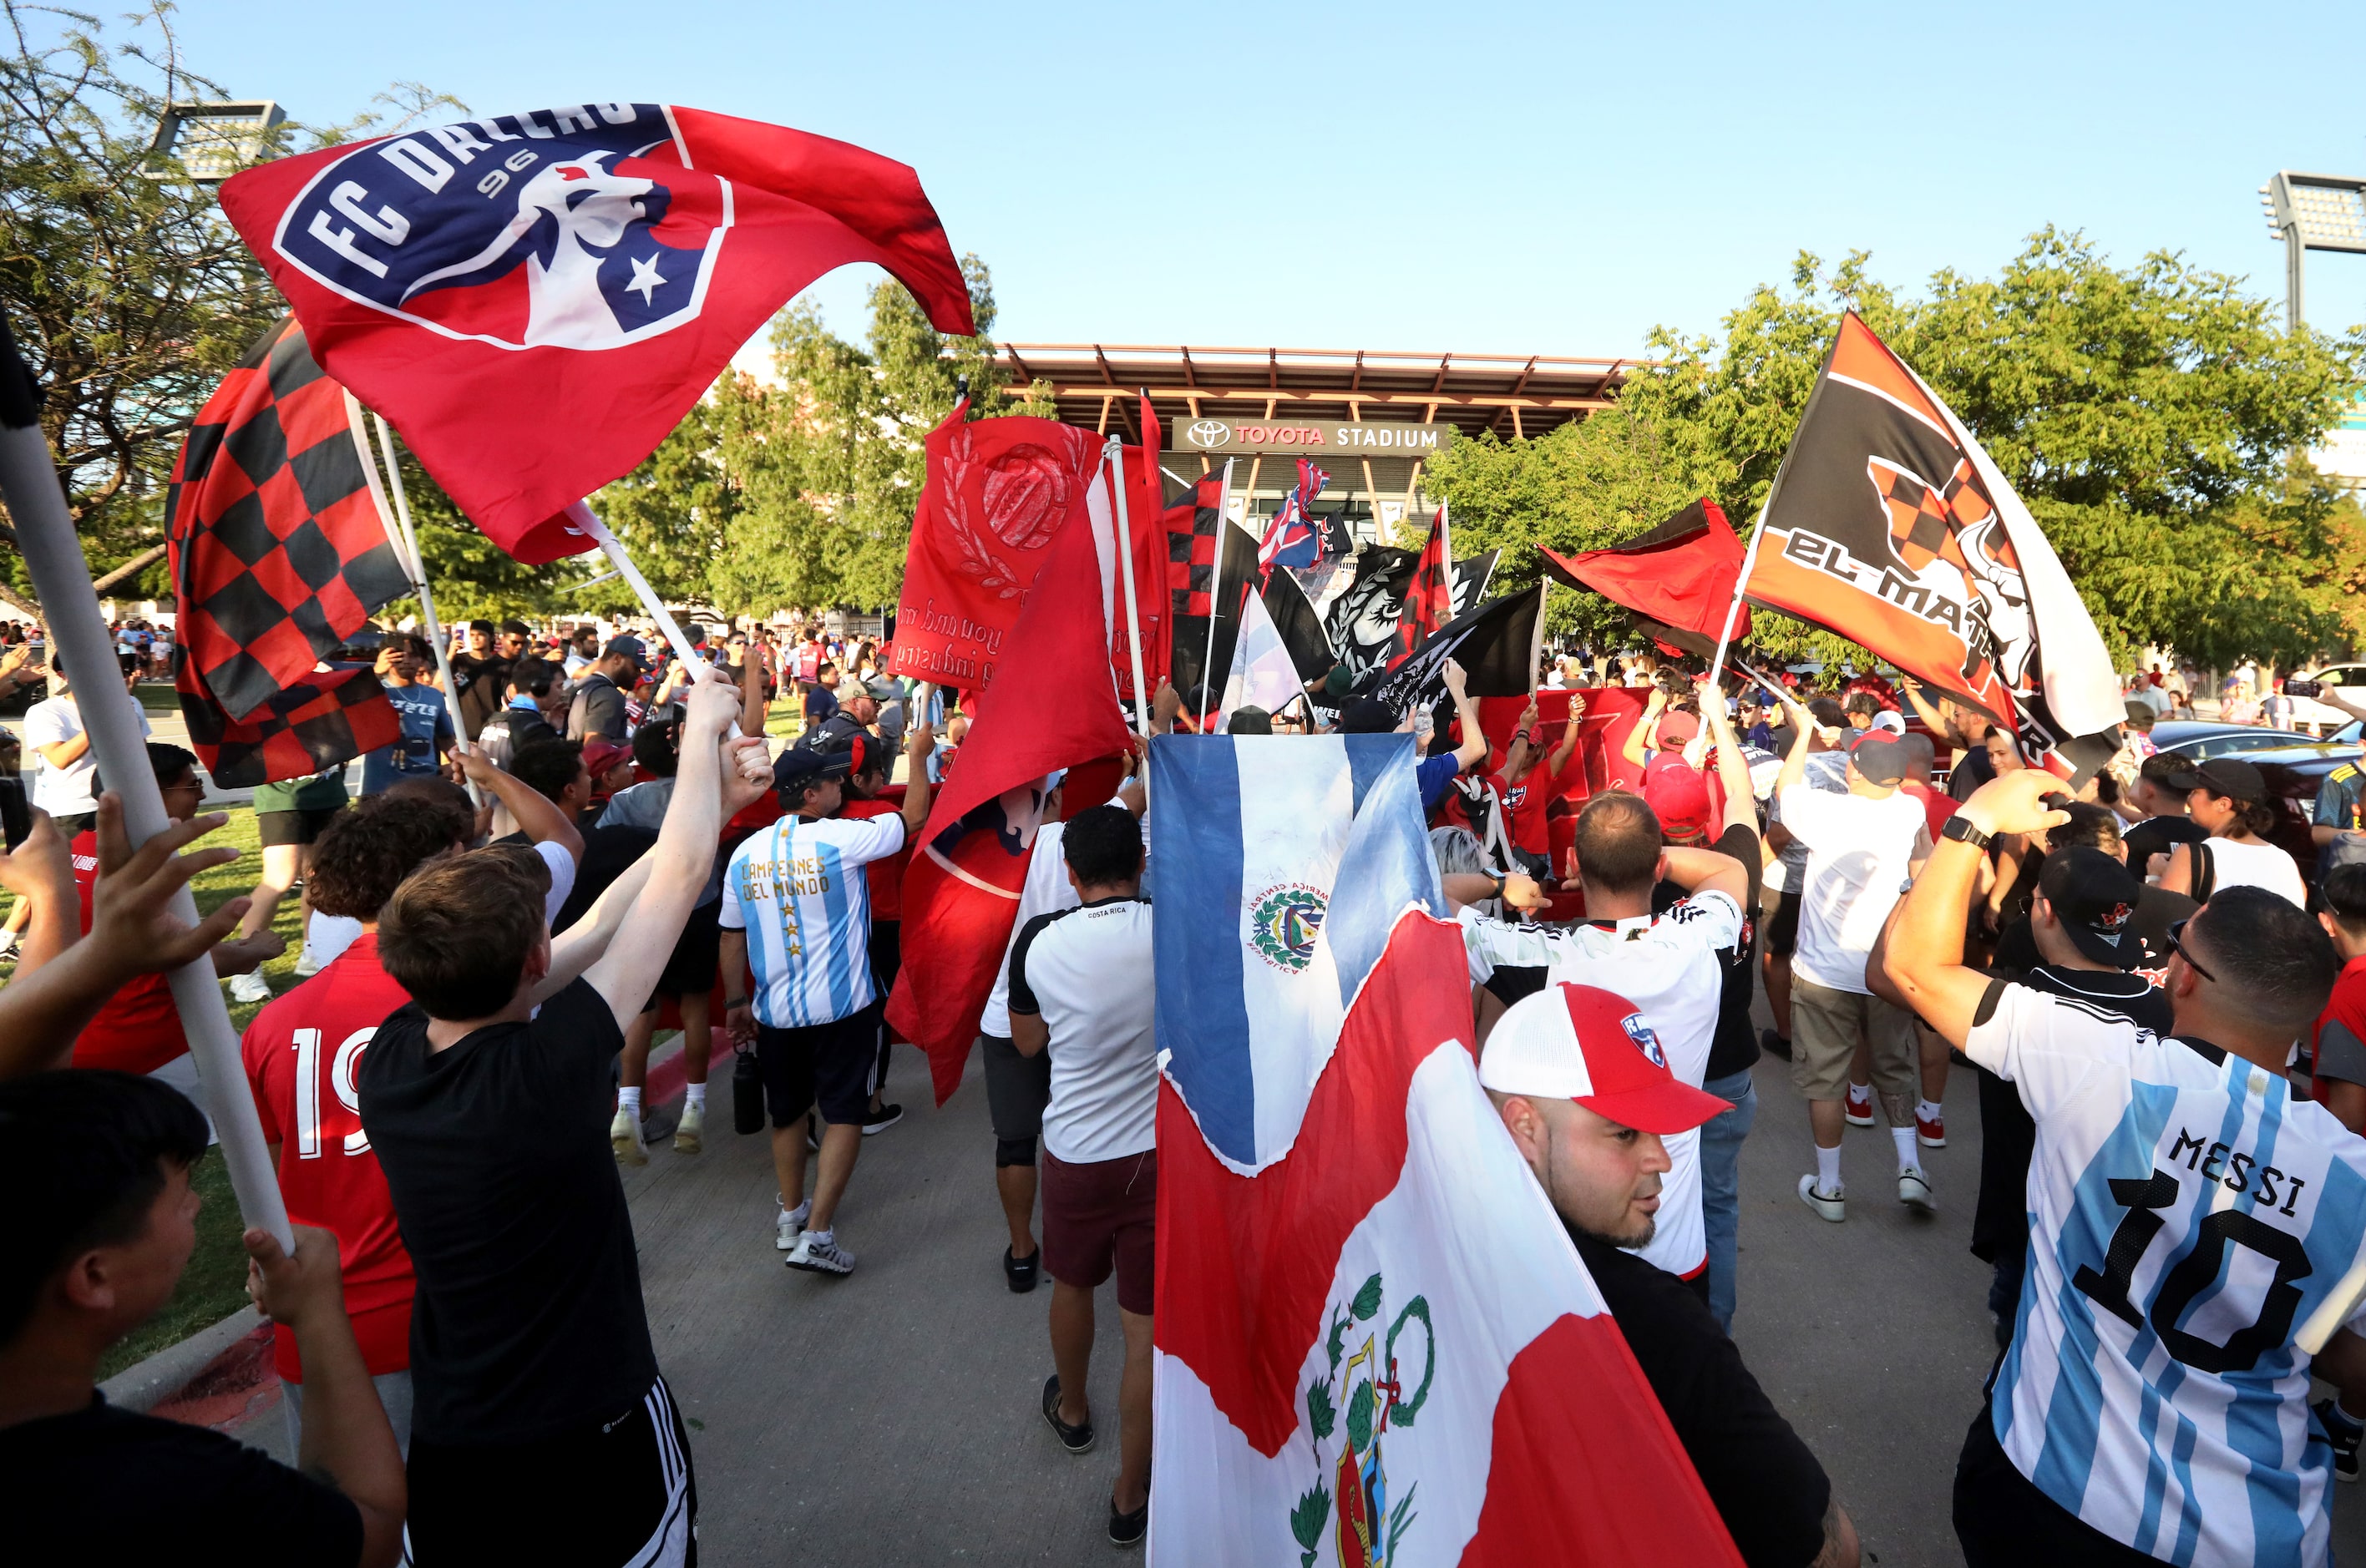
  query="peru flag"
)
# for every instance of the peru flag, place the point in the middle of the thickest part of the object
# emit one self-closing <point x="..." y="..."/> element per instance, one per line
<point x="1376" y="1346"/>
<point x="535" y="299"/>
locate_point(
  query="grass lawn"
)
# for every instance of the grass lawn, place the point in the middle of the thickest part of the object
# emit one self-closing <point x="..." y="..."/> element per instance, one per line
<point x="215" y="1284"/>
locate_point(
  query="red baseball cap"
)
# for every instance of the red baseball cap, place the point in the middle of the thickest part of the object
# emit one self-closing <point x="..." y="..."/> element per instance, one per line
<point x="1677" y="795"/>
<point x="600" y="753"/>
<point x="1593" y="1046"/>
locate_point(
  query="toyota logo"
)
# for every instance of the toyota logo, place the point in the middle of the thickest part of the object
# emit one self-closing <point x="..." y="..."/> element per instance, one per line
<point x="1209" y="433"/>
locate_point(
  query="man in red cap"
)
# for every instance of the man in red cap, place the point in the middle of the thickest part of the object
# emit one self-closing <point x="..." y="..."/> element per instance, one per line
<point x="1582" y="1084"/>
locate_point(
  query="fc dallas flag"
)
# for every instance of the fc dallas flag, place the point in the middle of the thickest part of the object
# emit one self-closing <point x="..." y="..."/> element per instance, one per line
<point x="278" y="556"/>
<point x="961" y="888"/>
<point x="1678" y="576"/>
<point x="537" y="299"/>
<point x="1889" y="525"/>
<point x="1375" y="1344"/>
<point x="998" y="491"/>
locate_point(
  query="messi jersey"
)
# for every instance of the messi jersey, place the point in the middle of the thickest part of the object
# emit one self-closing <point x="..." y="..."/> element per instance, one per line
<point x="798" y="889"/>
<point x="2189" y="1220"/>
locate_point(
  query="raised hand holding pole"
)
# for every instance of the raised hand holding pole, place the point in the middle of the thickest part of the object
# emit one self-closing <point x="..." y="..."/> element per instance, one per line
<point x="45" y="533"/>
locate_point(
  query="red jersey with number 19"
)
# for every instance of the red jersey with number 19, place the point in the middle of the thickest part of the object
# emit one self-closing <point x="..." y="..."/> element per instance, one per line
<point x="301" y="1054"/>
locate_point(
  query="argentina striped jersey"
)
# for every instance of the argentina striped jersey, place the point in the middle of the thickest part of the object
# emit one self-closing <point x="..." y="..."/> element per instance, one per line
<point x="2189" y="1219"/>
<point x="798" y="889"/>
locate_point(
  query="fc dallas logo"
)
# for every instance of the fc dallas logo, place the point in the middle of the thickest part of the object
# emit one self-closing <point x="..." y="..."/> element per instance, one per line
<point x="577" y="228"/>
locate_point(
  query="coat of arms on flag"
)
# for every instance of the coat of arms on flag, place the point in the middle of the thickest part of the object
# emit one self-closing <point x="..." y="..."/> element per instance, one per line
<point x="1375" y="1344"/>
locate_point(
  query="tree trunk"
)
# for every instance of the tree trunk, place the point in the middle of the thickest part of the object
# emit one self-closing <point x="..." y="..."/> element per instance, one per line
<point x="139" y="563"/>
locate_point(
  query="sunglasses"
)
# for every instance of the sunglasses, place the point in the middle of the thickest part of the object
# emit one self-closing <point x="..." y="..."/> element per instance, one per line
<point x="2176" y="929"/>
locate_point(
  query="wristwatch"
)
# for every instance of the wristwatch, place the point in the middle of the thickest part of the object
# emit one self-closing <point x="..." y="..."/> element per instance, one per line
<point x="1499" y="886"/>
<point x="730" y="1003"/>
<point x="1959" y="828"/>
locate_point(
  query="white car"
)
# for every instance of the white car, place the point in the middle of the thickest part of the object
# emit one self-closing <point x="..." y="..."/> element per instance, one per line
<point x="2323" y="716"/>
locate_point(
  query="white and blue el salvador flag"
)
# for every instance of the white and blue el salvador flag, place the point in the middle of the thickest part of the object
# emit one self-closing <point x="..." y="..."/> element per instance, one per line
<point x="1316" y="844"/>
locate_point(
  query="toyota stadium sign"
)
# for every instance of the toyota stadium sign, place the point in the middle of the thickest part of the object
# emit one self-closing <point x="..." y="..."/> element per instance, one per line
<point x="1310" y="438"/>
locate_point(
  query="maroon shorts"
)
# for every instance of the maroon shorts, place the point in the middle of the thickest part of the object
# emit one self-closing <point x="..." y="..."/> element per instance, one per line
<point x="1099" y="1214"/>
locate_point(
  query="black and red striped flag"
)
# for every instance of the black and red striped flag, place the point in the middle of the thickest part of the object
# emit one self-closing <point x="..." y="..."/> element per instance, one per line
<point x="278" y="555"/>
<point x="1429" y="596"/>
<point x="1677" y="577"/>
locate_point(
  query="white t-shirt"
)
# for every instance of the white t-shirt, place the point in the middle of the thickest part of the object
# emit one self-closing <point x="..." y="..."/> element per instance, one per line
<point x="1828" y="771"/>
<point x="1667" y="965"/>
<point x="1860" y="852"/>
<point x="2256" y="866"/>
<point x="1088" y="971"/>
<point x="2188" y="1217"/>
<point x="63" y="792"/>
<point x="1046" y="890"/>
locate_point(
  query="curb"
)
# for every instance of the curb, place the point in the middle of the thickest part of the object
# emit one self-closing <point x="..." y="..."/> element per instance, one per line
<point x="146" y="1384"/>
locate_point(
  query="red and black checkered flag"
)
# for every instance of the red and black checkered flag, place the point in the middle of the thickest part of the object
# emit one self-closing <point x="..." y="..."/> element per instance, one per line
<point x="1192" y="525"/>
<point x="278" y="556"/>
<point x="1429" y="596"/>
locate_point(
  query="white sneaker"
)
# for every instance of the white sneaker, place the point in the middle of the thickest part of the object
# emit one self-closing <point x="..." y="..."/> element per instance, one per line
<point x="307" y="965"/>
<point x="1914" y="1190"/>
<point x="1832" y="1206"/>
<point x="250" y="987"/>
<point x="788" y="1227"/>
<point x="624" y="1136"/>
<point x="821" y="1257"/>
<point x="8" y="942"/>
<point x="690" y="1133"/>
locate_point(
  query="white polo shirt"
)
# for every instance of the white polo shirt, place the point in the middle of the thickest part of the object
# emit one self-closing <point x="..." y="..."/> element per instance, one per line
<point x="1089" y="973"/>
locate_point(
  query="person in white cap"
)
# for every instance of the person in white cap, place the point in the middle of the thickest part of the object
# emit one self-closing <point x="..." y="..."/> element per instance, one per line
<point x="1582" y="1082"/>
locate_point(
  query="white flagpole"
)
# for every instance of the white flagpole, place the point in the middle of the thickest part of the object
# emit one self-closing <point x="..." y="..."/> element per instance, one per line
<point x="396" y="519"/>
<point x="1733" y="608"/>
<point x="1113" y="456"/>
<point x="1223" y="522"/>
<point x="45" y="534"/>
<point x="580" y="515"/>
<point x="1445" y="550"/>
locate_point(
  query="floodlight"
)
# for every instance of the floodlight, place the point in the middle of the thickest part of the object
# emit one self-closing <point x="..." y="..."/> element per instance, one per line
<point x="216" y="140"/>
<point x="2313" y="212"/>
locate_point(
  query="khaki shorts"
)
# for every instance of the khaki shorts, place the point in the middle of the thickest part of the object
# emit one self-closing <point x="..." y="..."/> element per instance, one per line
<point x="1825" y="1026"/>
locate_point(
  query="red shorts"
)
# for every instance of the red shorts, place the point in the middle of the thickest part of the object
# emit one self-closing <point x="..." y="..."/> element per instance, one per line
<point x="1099" y="1214"/>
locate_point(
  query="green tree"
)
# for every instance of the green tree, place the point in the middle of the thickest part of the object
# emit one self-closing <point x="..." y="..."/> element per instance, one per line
<point x="2147" y="416"/>
<point x="126" y="289"/>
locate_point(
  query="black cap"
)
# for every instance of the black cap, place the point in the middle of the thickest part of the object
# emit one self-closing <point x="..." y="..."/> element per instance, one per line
<point x="1367" y="716"/>
<point x="800" y="765"/>
<point x="1250" y="720"/>
<point x="1878" y="756"/>
<point x="2227" y="775"/>
<point x="630" y="646"/>
<point x="2094" y="897"/>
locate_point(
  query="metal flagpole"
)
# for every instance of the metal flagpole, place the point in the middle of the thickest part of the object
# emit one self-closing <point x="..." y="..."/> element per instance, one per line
<point x="45" y="533"/>
<point x="1113" y="456"/>
<point x="396" y="518"/>
<point x="1224" y="521"/>
<point x="1741" y="580"/>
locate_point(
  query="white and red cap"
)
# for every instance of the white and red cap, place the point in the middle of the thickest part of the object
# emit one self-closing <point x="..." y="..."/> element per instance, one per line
<point x="1581" y="1043"/>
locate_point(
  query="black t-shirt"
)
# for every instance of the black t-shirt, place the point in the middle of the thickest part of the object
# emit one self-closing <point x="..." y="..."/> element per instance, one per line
<point x="1972" y="768"/>
<point x="1766" y="1485"/>
<point x="528" y="1321"/>
<point x="2157" y="910"/>
<point x="106" y="1485"/>
<point x="2008" y="1134"/>
<point x="2157" y="836"/>
<point x="483" y="688"/>
<point x="1735" y="1045"/>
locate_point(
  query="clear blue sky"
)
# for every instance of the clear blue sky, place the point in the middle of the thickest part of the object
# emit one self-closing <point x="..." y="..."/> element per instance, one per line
<point x="1507" y="178"/>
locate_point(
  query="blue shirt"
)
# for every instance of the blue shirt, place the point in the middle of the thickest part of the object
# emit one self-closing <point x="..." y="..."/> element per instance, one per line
<point x="426" y="729"/>
<point x="1435" y="775"/>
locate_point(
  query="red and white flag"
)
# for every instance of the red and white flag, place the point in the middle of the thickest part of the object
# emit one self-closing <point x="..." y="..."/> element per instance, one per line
<point x="1376" y="1344"/>
<point x="535" y="299"/>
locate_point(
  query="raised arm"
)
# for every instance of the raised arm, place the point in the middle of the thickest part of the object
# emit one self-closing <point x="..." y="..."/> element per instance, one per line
<point x="1924" y="960"/>
<point x="1932" y="719"/>
<point x="1522" y="753"/>
<point x="1794" y="761"/>
<point x="1635" y="749"/>
<point x="684" y="853"/>
<point x="1707" y="871"/>
<point x="536" y="816"/>
<point x="1740" y="806"/>
<point x="1473" y="750"/>
<point x="1568" y="747"/>
<point x="580" y="945"/>
<point x="753" y="706"/>
<point x="919" y="744"/>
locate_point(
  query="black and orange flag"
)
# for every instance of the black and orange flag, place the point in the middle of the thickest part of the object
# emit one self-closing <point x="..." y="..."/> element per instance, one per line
<point x="278" y="555"/>
<point x="1889" y="525"/>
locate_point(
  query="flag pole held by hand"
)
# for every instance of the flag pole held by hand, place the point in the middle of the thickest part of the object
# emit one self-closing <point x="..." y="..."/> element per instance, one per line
<point x="45" y="533"/>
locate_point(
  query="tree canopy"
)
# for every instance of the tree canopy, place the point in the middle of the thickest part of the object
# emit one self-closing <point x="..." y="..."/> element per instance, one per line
<point x="2149" y="417"/>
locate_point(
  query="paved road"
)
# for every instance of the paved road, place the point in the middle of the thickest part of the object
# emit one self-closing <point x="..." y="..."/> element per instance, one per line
<point x="889" y="1418"/>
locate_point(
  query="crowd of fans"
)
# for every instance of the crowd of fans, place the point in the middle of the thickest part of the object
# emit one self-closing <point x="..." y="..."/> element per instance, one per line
<point x="451" y="1090"/>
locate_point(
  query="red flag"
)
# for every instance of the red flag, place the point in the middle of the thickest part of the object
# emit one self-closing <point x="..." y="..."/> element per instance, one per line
<point x="537" y="299"/>
<point x="961" y="893"/>
<point x="1679" y="577"/>
<point x="998" y="492"/>
<point x="1429" y="596"/>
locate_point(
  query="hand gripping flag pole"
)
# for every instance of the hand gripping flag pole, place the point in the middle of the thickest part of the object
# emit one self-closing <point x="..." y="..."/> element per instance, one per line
<point x="1113" y="456"/>
<point x="61" y="577"/>
<point x="399" y="532"/>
